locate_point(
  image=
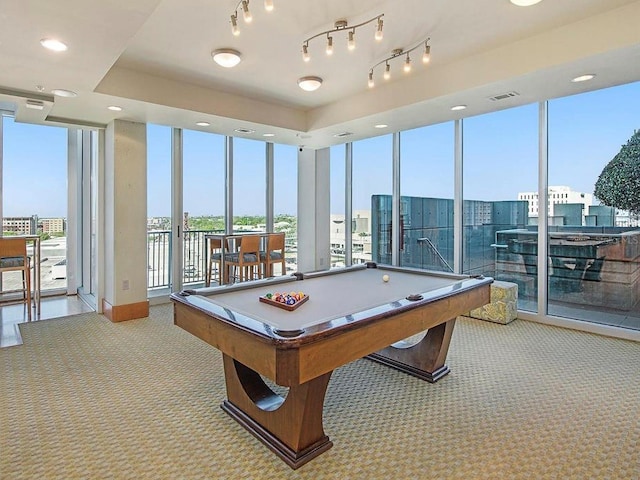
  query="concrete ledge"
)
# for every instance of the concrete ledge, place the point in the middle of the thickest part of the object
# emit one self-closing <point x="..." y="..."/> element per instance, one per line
<point x="504" y="304"/>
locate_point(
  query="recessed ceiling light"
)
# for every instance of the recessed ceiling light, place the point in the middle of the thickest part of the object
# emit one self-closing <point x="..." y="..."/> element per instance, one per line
<point x="115" y="108"/>
<point x="60" y="92"/>
<point x="525" y="3"/>
<point x="53" y="44"/>
<point x="268" y="134"/>
<point x="226" y="57"/>
<point x="381" y="125"/>
<point x="203" y="124"/>
<point x="458" y="107"/>
<point x="244" y="130"/>
<point x="309" y="84"/>
<point x="583" y="78"/>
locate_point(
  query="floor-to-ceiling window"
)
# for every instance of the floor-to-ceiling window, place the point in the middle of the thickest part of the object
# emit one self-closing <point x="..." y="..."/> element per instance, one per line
<point x="203" y="191"/>
<point x="86" y="160"/>
<point x="372" y="180"/>
<point x="338" y="227"/>
<point x="426" y="202"/>
<point x="249" y="185"/>
<point x="594" y="257"/>
<point x="500" y="181"/>
<point x="34" y="194"/>
<point x="285" y="201"/>
<point x="158" y="205"/>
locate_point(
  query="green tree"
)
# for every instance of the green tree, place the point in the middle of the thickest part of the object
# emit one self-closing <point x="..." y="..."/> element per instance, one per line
<point x="619" y="183"/>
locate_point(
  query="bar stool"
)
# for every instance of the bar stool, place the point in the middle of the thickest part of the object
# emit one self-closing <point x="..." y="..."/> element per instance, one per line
<point x="13" y="258"/>
<point x="273" y="254"/>
<point x="215" y="256"/>
<point x="247" y="259"/>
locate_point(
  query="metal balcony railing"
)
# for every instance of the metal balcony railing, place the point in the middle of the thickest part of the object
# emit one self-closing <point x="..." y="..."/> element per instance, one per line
<point x="194" y="254"/>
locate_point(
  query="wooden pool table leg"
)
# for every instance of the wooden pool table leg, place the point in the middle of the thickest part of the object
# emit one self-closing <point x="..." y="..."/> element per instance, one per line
<point x="424" y="360"/>
<point x="291" y="427"/>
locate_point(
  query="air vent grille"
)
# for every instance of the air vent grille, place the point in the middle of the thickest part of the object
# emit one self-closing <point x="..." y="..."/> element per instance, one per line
<point x="503" y="96"/>
<point x="343" y="134"/>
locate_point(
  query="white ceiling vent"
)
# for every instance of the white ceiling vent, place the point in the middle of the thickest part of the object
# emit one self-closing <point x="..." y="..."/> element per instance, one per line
<point x="343" y="134"/>
<point x="503" y="96"/>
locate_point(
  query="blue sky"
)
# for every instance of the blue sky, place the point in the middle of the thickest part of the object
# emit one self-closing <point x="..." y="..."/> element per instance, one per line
<point x="500" y="160"/>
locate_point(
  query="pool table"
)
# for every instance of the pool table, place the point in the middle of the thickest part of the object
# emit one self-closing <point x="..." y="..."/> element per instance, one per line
<point x="350" y="313"/>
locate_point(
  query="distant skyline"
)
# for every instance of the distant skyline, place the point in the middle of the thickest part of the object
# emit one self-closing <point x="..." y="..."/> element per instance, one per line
<point x="500" y="159"/>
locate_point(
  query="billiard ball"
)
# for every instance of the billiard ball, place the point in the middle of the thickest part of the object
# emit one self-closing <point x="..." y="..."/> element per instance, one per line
<point x="385" y="278"/>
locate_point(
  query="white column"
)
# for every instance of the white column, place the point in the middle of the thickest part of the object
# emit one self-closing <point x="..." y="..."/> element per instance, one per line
<point x="125" y="294"/>
<point x="313" y="210"/>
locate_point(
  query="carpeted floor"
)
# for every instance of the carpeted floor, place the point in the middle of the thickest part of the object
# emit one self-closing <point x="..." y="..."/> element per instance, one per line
<point x="84" y="398"/>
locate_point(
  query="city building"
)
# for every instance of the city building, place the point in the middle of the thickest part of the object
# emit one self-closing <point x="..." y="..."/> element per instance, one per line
<point x="19" y="225"/>
<point x="52" y="225"/>
<point x="557" y="195"/>
<point x="360" y="237"/>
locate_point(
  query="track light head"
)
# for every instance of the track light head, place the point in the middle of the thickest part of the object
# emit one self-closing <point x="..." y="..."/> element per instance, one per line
<point x="234" y="25"/>
<point x="246" y="14"/>
<point x="407" y="64"/>
<point x="351" y="43"/>
<point x="378" y="35"/>
<point x="387" y="72"/>
<point x="426" y="56"/>
<point x="329" y="49"/>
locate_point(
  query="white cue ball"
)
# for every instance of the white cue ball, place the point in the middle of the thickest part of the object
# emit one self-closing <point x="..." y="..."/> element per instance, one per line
<point x="385" y="278"/>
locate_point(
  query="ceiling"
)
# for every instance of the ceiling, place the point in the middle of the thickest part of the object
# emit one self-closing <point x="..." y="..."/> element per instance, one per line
<point x="153" y="59"/>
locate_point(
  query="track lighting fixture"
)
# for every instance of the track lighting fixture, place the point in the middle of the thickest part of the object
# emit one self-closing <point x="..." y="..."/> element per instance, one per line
<point x="246" y="14"/>
<point x="426" y="57"/>
<point x="339" y="26"/>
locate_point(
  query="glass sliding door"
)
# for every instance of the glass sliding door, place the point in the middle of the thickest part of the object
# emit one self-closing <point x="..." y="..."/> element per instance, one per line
<point x="159" y="219"/>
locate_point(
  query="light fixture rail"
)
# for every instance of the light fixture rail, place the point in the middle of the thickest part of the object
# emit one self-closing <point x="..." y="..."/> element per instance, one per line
<point x="343" y="26"/>
<point x="398" y="52"/>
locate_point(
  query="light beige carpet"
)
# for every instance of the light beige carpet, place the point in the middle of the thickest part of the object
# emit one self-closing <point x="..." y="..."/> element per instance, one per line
<point x="87" y="399"/>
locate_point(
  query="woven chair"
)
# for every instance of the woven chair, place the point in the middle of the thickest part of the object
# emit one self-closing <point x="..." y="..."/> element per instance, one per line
<point x="13" y="258"/>
<point x="274" y="254"/>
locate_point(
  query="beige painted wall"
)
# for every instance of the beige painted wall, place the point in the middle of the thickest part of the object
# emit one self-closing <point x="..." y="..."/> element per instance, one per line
<point x="125" y="213"/>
